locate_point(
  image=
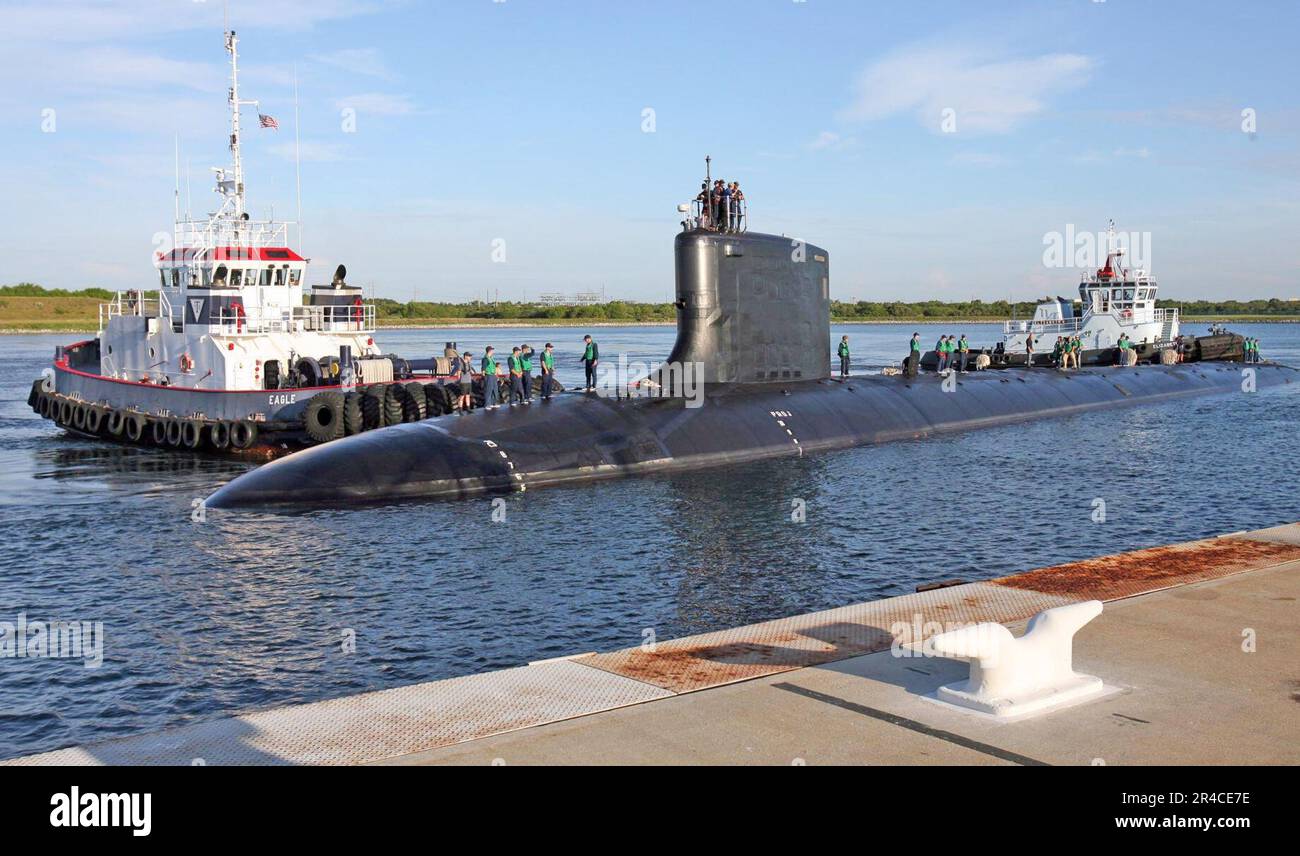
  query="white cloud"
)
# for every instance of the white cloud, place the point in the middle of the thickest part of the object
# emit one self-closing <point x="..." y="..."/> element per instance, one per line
<point x="989" y="95"/>
<point x="125" y="69"/>
<point x="377" y="104"/>
<point x="831" y="141"/>
<point x="364" y="61"/>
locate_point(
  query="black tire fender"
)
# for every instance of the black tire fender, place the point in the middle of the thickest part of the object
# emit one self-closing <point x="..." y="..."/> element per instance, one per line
<point x="116" y="422"/>
<point x="94" y="418"/>
<point x="243" y="434"/>
<point x="219" y="434"/>
<point x="192" y="433"/>
<point x="134" y="425"/>
<point x="323" y="417"/>
<point x="393" y="404"/>
<point x="353" y="422"/>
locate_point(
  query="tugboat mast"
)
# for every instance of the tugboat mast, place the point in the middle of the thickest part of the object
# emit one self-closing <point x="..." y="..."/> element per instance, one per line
<point x="235" y="193"/>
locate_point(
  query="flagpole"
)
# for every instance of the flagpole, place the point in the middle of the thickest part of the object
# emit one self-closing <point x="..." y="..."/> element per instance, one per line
<point x="297" y="160"/>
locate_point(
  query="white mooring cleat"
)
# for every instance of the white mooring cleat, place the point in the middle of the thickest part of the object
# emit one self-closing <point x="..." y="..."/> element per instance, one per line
<point x="1012" y="678"/>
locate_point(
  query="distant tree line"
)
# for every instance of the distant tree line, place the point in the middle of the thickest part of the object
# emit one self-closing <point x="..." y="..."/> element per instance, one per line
<point x="28" y="289"/>
<point x="629" y="311"/>
<point x="614" y="310"/>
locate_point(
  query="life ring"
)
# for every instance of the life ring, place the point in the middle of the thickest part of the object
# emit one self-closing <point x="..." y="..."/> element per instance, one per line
<point x="187" y="364"/>
<point x="1127" y="313"/>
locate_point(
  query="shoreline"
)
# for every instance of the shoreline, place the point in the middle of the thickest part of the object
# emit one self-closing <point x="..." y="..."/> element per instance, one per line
<point x="523" y="323"/>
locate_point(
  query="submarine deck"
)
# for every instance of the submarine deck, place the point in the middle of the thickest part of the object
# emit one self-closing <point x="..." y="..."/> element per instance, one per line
<point x="824" y="688"/>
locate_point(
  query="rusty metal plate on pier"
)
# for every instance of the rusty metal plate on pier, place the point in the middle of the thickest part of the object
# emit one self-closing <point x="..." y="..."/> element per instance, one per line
<point x="1142" y="571"/>
<point x="377" y="725"/>
<point x="712" y="659"/>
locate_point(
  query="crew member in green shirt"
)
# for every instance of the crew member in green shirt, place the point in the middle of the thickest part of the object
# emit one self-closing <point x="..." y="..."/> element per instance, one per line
<point x="548" y="371"/>
<point x="526" y="364"/>
<point x="914" y="355"/>
<point x="844" y="356"/>
<point x="963" y="348"/>
<point x="590" y="356"/>
<point x="515" y="364"/>
<point x="490" y="390"/>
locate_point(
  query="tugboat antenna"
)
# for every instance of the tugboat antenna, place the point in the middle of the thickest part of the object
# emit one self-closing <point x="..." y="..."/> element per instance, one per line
<point x="176" y="196"/>
<point x="297" y="158"/>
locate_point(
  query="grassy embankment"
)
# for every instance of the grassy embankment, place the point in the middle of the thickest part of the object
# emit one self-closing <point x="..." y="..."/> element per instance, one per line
<point x="30" y="308"/>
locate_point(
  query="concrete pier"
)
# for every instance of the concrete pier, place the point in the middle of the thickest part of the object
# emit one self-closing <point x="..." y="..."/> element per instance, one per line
<point x="1198" y="643"/>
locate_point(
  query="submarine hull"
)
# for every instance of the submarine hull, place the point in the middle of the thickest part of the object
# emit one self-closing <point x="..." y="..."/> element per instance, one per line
<point x="584" y="437"/>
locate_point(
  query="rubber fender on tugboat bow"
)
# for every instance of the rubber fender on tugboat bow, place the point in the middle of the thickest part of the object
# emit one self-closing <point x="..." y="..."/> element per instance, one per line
<point x="323" y="417"/>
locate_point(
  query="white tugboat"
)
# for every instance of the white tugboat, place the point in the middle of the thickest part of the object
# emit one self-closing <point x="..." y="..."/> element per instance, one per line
<point x="227" y="354"/>
<point x="1113" y="301"/>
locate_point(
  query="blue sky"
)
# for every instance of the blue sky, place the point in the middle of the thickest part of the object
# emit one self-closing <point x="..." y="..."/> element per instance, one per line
<point x="522" y="121"/>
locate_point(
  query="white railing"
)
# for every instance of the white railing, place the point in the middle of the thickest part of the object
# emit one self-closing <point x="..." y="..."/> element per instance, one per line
<point x="1063" y="326"/>
<point x="1056" y="325"/>
<point x="302" y="319"/>
<point x="231" y="232"/>
<point x="732" y="216"/>
<point x="135" y="304"/>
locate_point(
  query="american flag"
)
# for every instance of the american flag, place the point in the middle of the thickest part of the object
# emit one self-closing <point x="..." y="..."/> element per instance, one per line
<point x="268" y="121"/>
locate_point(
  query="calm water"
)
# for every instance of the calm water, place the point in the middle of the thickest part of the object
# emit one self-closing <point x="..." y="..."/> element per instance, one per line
<point x="248" y="611"/>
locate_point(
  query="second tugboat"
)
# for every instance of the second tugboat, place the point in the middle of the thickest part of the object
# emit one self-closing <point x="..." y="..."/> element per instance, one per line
<point x="227" y="354"/>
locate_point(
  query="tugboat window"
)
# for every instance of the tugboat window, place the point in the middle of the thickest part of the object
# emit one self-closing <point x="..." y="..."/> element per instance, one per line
<point x="266" y="275"/>
<point x="235" y="275"/>
<point x="293" y="277"/>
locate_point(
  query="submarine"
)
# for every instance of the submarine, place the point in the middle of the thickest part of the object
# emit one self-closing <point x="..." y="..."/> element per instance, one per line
<point x="748" y="379"/>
